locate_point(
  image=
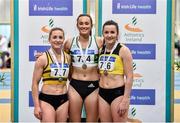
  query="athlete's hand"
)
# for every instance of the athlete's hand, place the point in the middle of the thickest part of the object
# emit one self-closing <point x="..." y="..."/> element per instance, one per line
<point x="38" y="54"/>
<point x="123" y="106"/>
<point x="38" y="113"/>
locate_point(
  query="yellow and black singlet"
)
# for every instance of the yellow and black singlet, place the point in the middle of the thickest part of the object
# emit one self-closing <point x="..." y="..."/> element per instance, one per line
<point x="111" y="62"/>
<point x="51" y="72"/>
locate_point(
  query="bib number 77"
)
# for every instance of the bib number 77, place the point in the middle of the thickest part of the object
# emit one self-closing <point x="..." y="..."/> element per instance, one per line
<point x="56" y="73"/>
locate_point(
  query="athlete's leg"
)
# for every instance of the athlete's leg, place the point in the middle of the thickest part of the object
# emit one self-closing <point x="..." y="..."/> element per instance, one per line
<point x="48" y="112"/>
<point x="91" y="106"/>
<point x="75" y="105"/>
<point x="104" y="110"/>
<point x="62" y="112"/>
<point x="114" y="109"/>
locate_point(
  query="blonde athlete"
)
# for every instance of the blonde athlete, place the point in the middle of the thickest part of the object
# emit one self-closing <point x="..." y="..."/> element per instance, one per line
<point x="51" y="104"/>
<point x="84" y="51"/>
<point x="116" y="76"/>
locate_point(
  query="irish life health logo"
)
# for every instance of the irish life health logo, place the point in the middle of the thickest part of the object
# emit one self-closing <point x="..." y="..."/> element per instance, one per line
<point x="50" y="7"/>
<point x="132" y="26"/>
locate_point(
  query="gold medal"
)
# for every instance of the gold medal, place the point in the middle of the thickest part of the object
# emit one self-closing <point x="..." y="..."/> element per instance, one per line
<point x="60" y="79"/>
<point x="84" y="66"/>
<point x="105" y="72"/>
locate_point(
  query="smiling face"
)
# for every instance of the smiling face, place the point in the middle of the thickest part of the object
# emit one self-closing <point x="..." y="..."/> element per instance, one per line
<point x="84" y="25"/>
<point x="56" y="38"/>
<point x="110" y="34"/>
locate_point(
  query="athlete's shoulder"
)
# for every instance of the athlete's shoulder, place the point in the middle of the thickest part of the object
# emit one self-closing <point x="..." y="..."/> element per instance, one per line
<point x="123" y="46"/>
<point x="67" y="44"/>
<point x="41" y="60"/>
<point x="124" y="51"/>
<point x="99" y="41"/>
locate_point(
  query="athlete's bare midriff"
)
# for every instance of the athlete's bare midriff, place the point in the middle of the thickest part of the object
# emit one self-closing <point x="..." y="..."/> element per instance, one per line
<point x="111" y="81"/>
<point x="88" y="74"/>
<point x="54" y="89"/>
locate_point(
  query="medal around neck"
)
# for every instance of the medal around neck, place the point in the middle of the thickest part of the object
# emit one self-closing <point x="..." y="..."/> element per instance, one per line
<point x="105" y="72"/>
<point x="56" y="61"/>
<point x="60" y="79"/>
<point x="84" y="66"/>
<point x="107" y="60"/>
<point x="84" y="54"/>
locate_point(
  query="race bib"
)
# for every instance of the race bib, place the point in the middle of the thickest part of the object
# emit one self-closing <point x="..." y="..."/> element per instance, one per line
<point x="62" y="72"/>
<point x="80" y="59"/>
<point x="106" y="65"/>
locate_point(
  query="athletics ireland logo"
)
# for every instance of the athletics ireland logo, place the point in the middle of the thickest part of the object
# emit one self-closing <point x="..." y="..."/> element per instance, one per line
<point x="132" y="26"/>
<point x="48" y="27"/>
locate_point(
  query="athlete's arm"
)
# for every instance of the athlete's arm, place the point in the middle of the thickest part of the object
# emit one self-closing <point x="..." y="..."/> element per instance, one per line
<point x="37" y="74"/>
<point x="126" y="56"/>
<point x="70" y="67"/>
<point x="128" y="69"/>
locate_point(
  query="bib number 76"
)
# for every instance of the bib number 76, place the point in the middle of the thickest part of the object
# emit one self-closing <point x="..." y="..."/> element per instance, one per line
<point x="106" y="66"/>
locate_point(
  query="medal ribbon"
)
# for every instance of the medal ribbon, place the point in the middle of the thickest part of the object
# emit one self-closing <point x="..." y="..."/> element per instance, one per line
<point x="56" y="61"/>
<point x="84" y="55"/>
<point x="105" y="62"/>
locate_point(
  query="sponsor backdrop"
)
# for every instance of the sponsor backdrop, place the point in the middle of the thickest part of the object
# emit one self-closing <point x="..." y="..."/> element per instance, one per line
<point x="142" y="26"/>
<point x="36" y="18"/>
